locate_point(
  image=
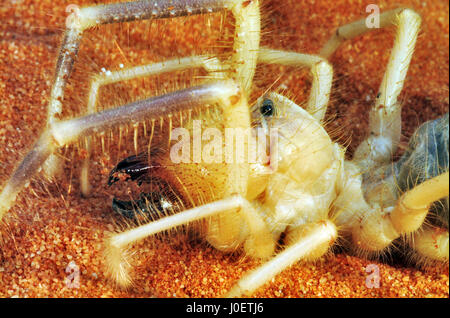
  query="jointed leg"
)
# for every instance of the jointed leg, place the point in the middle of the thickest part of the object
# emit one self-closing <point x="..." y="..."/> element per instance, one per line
<point x="354" y="29"/>
<point x="432" y="243"/>
<point x="62" y="133"/>
<point x="242" y="63"/>
<point x="312" y="238"/>
<point x="377" y="229"/>
<point x="384" y="120"/>
<point x="413" y="206"/>
<point x="321" y="70"/>
<point x="262" y="244"/>
<point x="89" y="17"/>
<point x="210" y="64"/>
<point x="115" y="252"/>
<point x="245" y="47"/>
<point x="104" y="14"/>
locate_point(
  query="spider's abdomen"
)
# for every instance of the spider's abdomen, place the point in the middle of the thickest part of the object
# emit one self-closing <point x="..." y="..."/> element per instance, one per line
<point x="427" y="156"/>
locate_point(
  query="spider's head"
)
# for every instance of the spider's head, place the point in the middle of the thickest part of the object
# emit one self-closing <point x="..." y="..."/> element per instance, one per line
<point x="299" y="143"/>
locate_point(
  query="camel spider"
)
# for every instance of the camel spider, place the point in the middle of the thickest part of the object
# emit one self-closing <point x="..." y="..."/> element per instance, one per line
<point x="310" y="194"/>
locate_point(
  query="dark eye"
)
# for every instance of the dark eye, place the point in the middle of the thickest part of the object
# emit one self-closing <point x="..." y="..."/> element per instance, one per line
<point x="267" y="108"/>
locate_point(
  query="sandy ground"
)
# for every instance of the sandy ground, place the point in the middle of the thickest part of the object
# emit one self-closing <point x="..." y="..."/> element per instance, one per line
<point x="52" y="231"/>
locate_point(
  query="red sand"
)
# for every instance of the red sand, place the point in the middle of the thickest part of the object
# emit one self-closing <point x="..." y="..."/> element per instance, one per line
<point x="53" y="229"/>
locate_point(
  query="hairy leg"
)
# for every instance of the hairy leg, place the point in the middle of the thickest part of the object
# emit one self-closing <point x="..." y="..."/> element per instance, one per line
<point x="321" y="70"/>
<point x="378" y="227"/>
<point x="432" y="243"/>
<point x="384" y="118"/>
<point x="311" y="242"/>
<point x="261" y="245"/>
<point x="243" y="60"/>
<point x="210" y="64"/>
<point x="62" y="133"/>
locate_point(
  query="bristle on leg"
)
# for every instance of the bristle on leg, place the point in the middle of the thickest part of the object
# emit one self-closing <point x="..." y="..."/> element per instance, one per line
<point x="118" y="266"/>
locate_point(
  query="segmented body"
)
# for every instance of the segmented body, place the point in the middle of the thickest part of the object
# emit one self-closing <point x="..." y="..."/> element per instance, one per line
<point x="427" y="156"/>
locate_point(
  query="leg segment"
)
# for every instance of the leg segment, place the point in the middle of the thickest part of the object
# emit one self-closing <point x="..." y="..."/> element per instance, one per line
<point x="384" y="120"/>
<point x="246" y="13"/>
<point x="321" y="70"/>
<point x="104" y="14"/>
<point x="378" y="228"/>
<point x="210" y="64"/>
<point x="245" y="47"/>
<point x="354" y="29"/>
<point x="247" y="16"/>
<point x="314" y="237"/>
<point x="115" y="251"/>
<point x="31" y="164"/>
<point x="89" y="17"/>
<point x="432" y="243"/>
<point x="65" y="132"/>
<point x="413" y="206"/>
<point x="262" y="244"/>
<point x="243" y="62"/>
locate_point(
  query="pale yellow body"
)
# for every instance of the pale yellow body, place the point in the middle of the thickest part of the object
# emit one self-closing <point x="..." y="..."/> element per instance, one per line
<point x="286" y="199"/>
<point x="306" y="190"/>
